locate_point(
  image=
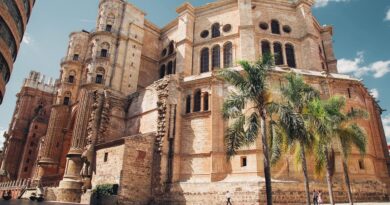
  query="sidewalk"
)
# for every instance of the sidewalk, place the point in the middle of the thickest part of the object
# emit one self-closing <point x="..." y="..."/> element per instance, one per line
<point x="367" y="203"/>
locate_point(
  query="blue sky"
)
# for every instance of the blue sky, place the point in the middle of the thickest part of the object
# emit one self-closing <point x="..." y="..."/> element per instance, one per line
<point x="361" y="40"/>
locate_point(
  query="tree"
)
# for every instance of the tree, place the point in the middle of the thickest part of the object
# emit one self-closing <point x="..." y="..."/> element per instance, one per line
<point x="319" y="123"/>
<point x="345" y="133"/>
<point x="291" y="124"/>
<point x="251" y="90"/>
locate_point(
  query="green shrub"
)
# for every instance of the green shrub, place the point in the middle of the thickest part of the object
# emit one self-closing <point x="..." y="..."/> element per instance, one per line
<point x="104" y="190"/>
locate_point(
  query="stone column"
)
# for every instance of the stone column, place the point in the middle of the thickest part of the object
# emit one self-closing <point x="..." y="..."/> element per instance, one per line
<point x="202" y="101"/>
<point x="49" y="151"/>
<point x="284" y="55"/>
<point x="72" y="178"/>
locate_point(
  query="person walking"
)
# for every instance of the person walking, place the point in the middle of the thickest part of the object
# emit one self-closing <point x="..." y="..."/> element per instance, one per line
<point x="315" y="197"/>
<point x="228" y="198"/>
<point x="319" y="197"/>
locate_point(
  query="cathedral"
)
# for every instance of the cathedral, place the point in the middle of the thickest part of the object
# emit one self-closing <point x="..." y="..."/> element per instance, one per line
<point x="139" y="107"/>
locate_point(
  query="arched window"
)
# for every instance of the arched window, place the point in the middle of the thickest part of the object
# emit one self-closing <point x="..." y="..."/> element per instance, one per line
<point x="290" y="55"/>
<point x="104" y="49"/>
<point x="275" y="27"/>
<point x="71" y="76"/>
<point x="170" y="68"/>
<point x="265" y="48"/>
<point x="197" y="100"/>
<point x="162" y="71"/>
<point x="278" y="54"/>
<point x="204" y="60"/>
<point x="100" y="75"/>
<point x="215" y="32"/>
<point x="67" y="96"/>
<point x="109" y="22"/>
<point x="188" y="104"/>
<point x="206" y="101"/>
<point x="171" y="48"/>
<point x="216" y="57"/>
<point x="228" y="55"/>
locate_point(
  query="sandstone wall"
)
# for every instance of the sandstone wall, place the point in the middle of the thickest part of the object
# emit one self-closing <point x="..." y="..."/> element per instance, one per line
<point x="109" y="163"/>
<point x="252" y="192"/>
<point x="136" y="175"/>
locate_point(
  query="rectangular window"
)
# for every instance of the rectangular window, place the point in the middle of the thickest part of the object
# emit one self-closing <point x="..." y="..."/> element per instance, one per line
<point x="108" y="27"/>
<point x="71" y="79"/>
<point x="105" y="157"/>
<point x="361" y="164"/>
<point x="104" y="53"/>
<point x="349" y="93"/>
<point x="66" y="100"/>
<point x="243" y="161"/>
<point x="99" y="79"/>
<point x="25" y="169"/>
<point x="75" y="57"/>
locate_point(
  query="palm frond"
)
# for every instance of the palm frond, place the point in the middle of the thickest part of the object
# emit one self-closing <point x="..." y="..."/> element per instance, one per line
<point x="235" y="136"/>
<point x="233" y="105"/>
<point x="252" y="131"/>
<point x="358" y="138"/>
<point x="277" y="142"/>
<point x="233" y="77"/>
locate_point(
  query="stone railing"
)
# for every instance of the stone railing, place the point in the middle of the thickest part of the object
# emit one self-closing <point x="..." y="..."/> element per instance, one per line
<point x="15" y="184"/>
<point x="14" y="188"/>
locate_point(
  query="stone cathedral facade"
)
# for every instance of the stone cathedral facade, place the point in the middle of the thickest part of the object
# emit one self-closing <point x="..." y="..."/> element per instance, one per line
<point x="140" y="106"/>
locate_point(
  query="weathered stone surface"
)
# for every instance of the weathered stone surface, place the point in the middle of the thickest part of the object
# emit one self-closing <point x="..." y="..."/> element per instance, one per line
<point x="133" y="107"/>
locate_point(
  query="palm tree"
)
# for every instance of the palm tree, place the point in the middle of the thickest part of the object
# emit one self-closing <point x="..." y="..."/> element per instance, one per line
<point x="335" y="128"/>
<point x="251" y="90"/>
<point x="319" y="123"/>
<point x="291" y="123"/>
<point x="347" y="134"/>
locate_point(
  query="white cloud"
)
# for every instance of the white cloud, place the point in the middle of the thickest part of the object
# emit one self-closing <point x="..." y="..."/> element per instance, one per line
<point x="386" y="126"/>
<point x="387" y="18"/>
<point x="355" y="67"/>
<point x="323" y="3"/>
<point x="375" y="93"/>
<point x="27" y="39"/>
<point x="2" y="131"/>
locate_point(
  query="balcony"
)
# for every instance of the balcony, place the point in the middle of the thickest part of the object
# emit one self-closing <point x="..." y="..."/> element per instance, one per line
<point x="73" y="59"/>
<point x="107" y="30"/>
<point x="103" y="54"/>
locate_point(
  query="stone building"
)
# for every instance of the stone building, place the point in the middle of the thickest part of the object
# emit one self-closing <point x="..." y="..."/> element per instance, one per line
<point x="14" y="15"/>
<point x="27" y="127"/>
<point x="140" y="106"/>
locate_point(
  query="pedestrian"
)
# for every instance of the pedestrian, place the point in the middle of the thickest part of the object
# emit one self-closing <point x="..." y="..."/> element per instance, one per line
<point x="315" y="197"/>
<point x="320" y="197"/>
<point x="228" y="198"/>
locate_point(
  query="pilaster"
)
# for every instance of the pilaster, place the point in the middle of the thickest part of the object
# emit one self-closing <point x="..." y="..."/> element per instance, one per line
<point x="185" y="39"/>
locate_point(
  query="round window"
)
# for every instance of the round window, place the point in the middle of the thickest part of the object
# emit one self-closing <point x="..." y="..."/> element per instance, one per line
<point x="164" y="52"/>
<point x="287" y="29"/>
<point x="263" y="25"/>
<point x="227" y="28"/>
<point x="204" y="34"/>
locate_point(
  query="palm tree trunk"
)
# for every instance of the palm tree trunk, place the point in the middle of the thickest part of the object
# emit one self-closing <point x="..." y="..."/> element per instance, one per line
<point x="347" y="182"/>
<point x="267" y="167"/>
<point x="306" y="177"/>
<point x="329" y="177"/>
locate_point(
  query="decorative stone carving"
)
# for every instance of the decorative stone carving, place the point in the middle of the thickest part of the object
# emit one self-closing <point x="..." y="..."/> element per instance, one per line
<point x="162" y="92"/>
